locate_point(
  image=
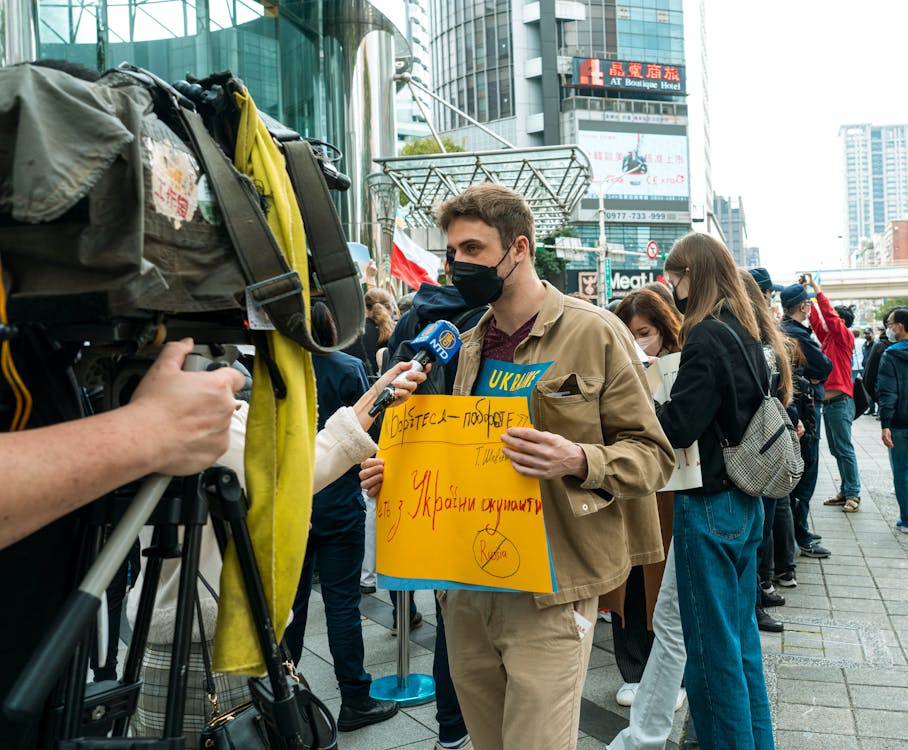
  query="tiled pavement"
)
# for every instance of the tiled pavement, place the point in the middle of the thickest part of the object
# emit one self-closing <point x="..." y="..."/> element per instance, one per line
<point x="837" y="677"/>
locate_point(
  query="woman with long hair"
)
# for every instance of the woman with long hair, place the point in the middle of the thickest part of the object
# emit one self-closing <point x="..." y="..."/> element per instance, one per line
<point x="649" y="646"/>
<point x="717" y="527"/>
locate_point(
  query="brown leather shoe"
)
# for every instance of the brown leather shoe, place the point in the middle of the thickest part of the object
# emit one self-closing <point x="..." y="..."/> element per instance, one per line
<point x="837" y="499"/>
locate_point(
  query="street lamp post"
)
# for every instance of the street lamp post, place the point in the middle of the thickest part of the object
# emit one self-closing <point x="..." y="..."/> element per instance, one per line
<point x="385" y="199"/>
<point x="602" y="247"/>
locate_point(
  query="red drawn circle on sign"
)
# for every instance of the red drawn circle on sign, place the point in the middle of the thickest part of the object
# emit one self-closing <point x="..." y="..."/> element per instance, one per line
<point x="652" y="249"/>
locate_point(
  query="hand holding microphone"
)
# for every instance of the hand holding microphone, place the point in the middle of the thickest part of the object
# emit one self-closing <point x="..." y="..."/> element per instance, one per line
<point x="438" y="342"/>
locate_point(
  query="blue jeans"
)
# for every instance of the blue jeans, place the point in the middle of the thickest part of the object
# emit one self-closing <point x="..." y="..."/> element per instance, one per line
<point x="803" y="491"/>
<point x="716" y="539"/>
<point x="898" y="460"/>
<point x="336" y="543"/>
<point x="839" y="417"/>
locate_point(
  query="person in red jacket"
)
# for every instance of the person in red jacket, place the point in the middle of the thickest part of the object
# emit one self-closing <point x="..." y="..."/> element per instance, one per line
<point x="833" y="328"/>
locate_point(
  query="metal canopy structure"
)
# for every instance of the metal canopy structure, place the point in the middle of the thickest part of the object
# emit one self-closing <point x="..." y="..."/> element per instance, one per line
<point x="553" y="179"/>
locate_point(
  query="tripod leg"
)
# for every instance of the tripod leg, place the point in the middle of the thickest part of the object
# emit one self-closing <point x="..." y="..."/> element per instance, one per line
<point x="182" y="637"/>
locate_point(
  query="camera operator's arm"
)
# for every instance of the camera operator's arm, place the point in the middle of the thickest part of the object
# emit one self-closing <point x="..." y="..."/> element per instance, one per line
<point x="177" y="423"/>
<point x="345" y="441"/>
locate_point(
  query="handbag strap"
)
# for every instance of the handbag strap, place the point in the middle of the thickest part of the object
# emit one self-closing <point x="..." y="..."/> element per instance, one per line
<point x="723" y="442"/>
<point x="210" y="687"/>
<point x="750" y="364"/>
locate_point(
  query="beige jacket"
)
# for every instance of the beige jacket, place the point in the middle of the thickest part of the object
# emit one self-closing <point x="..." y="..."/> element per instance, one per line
<point x="597" y="529"/>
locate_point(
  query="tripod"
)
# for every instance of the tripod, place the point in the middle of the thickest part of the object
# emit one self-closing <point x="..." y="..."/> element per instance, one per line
<point x="79" y="716"/>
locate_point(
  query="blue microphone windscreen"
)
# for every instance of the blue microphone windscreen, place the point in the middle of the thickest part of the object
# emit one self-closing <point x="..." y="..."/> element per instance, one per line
<point x="440" y="338"/>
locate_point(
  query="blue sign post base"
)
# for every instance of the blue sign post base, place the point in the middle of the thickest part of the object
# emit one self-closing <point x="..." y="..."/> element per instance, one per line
<point x="415" y="690"/>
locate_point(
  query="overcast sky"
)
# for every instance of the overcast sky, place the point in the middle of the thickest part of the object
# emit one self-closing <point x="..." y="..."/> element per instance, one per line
<point x="783" y="76"/>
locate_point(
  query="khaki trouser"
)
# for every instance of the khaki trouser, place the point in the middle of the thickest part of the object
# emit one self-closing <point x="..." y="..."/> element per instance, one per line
<point x="518" y="670"/>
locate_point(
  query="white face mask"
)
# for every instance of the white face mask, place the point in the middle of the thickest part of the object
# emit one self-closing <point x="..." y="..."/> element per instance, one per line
<point x="651" y="344"/>
<point x="890" y="334"/>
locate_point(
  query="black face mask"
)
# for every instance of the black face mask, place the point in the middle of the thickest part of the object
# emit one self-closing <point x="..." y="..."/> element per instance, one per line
<point x="479" y="285"/>
<point x="681" y="304"/>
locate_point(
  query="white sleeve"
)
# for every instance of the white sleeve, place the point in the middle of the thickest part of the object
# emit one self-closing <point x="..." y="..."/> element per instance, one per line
<point x="342" y="444"/>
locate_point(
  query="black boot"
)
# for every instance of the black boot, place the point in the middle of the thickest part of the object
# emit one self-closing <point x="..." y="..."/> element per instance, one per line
<point x="767" y="623"/>
<point x="362" y="712"/>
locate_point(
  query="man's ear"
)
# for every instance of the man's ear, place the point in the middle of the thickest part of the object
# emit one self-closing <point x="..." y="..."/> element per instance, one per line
<point x="521" y="247"/>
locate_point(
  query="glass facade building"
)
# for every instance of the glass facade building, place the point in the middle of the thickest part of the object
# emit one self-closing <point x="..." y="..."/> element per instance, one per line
<point x="323" y="67"/>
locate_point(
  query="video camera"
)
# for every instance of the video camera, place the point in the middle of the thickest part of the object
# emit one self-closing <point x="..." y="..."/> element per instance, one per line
<point x="140" y="229"/>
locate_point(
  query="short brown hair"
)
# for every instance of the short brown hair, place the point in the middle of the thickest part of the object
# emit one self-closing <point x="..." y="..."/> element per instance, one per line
<point x="501" y="208"/>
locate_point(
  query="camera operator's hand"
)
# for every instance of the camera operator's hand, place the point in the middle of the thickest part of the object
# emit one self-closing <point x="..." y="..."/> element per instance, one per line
<point x="186" y="414"/>
<point x="372" y="475"/>
<point x="177" y="423"/>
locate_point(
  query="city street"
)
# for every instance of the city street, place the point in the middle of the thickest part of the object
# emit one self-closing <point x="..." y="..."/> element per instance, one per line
<point x="837" y="677"/>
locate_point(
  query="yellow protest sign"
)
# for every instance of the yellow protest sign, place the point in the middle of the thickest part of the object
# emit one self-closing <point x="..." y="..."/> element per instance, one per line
<point x="452" y="507"/>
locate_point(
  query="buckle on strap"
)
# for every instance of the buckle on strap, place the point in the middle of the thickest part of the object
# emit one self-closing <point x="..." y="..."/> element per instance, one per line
<point x="276" y="288"/>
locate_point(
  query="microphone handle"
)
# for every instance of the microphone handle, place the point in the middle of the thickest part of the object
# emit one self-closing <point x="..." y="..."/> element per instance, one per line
<point x="386" y="397"/>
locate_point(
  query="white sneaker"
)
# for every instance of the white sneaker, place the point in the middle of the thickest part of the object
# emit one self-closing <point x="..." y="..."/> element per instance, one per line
<point x="604" y="615"/>
<point x="682" y="694"/>
<point x="626" y="693"/>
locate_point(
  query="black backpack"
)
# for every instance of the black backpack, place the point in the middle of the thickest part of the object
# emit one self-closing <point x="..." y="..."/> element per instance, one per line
<point x="440" y="380"/>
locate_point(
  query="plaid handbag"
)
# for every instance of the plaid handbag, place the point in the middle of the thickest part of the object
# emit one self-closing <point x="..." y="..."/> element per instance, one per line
<point x="767" y="462"/>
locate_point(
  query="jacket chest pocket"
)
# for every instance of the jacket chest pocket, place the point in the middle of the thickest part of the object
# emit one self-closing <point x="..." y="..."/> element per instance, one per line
<point x="568" y="405"/>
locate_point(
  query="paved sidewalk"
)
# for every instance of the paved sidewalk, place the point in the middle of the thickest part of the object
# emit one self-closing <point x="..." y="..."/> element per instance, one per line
<point x="837" y="677"/>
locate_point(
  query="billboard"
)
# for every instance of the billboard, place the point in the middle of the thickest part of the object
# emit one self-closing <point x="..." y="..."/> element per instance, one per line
<point x="642" y="169"/>
<point x="628" y="75"/>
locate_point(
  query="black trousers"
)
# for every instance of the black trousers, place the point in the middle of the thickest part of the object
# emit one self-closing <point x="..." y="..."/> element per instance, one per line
<point x="632" y="640"/>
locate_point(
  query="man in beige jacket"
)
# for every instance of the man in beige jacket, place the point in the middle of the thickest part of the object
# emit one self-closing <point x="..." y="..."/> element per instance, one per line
<point x="518" y="659"/>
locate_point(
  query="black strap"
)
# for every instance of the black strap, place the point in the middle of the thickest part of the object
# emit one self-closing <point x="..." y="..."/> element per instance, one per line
<point x="721" y="436"/>
<point x="750" y="365"/>
<point x="272" y="284"/>
<point x="210" y="687"/>
<point x="330" y="257"/>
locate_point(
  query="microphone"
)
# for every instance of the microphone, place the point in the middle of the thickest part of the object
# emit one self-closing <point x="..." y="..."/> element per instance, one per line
<point x="438" y="341"/>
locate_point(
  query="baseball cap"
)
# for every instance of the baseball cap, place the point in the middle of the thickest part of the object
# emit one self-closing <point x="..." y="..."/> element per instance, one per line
<point x="764" y="280"/>
<point x="792" y="295"/>
<point x="868" y="330"/>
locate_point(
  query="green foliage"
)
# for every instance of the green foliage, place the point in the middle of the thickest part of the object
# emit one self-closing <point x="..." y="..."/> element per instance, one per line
<point x="888" y="304"/>
<point x="428" y="145"/>
<point x="549" y="266"/>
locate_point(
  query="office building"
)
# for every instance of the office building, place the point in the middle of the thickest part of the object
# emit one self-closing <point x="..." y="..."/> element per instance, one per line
<point x="875" y="182"/>
<point x="731" y="218"/>
<point x="609" y="77"/>
<point x="411" y="122"/>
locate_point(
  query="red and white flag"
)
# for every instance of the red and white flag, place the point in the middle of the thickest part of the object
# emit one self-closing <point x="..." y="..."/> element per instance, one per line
<point x="411" y="263"/>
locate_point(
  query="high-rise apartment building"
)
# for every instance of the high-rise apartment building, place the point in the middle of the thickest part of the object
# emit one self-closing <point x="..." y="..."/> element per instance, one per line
<point x="609" y="76"/>
<point x="411" y="123"/>
<point x="730" y="215"/>
<point x="875" y="182"/>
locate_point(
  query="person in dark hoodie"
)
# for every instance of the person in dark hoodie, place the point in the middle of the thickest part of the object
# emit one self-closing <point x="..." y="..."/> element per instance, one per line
<point x="433" y="303"/>
<point x="892" y="385"/>
<point x="872" y="366"/>
<point x="796" y="307"/>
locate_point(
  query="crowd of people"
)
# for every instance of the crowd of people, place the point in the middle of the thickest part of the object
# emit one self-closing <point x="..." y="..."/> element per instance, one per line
<point x="687" y="575"/>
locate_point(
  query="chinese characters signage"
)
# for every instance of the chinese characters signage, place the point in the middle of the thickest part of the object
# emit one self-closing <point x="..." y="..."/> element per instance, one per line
<point x="628" y="75"/>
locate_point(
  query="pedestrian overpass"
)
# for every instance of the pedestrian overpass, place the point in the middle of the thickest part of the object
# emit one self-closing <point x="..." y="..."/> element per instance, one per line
<point x="864" y="283"/>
